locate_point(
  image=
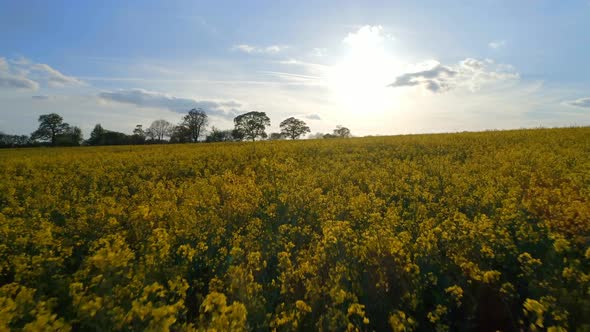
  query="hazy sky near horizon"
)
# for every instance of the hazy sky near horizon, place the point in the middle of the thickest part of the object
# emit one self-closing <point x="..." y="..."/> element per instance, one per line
<point x="377" y="67"/>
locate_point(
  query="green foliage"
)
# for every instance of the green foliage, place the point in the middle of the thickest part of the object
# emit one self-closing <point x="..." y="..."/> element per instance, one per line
<point x="251" y="125"/>
<point x="101" y="136"/>
<point x="442" y="232"/>
<point x="51" y="127"/>
<point x="218" y="135"/>
<point x="294" y="128"/>
<point x="11" y="141"/>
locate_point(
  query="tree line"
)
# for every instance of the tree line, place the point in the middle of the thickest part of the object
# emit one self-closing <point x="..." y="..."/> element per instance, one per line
<point x="192" y="128"/>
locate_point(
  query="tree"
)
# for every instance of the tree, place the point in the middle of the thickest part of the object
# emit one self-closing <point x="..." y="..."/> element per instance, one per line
<point x="72" y="136"/>
<point x="150" y="135"/>
<point x="342" y="132"/>
<point x="101" y="136"/>
<point x="276" y="136"/>
<point x="237" y="135"/>
<point x="251" y="125"/>
<point x="50" y="126"/>
<point x="12" y="141"/>
<point x="218" y="135"/>
<point x="180" y="134"/>
<point x="115" y="138"/>
<point x="138" y="136"/>
<point x="96" y="135"/>
<point x="195" y="121"/>
<point x="294" y="128"/>
<point x="159" y="129"/>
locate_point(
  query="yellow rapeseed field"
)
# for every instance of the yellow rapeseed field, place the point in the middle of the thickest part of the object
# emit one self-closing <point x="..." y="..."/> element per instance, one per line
<point x="469" y="231"/>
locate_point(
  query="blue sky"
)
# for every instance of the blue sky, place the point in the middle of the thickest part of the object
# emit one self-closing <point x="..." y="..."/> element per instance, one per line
<point x="377" y="67"/>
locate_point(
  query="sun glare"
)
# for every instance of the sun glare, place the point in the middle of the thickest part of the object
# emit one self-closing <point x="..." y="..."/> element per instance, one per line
<point x="359" y="81"/>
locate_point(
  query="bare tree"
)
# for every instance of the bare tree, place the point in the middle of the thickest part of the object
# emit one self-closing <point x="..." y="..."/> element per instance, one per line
<point x="341" y="131"/>
<point x="159" y="129"/>
<point x="195" y="122"/>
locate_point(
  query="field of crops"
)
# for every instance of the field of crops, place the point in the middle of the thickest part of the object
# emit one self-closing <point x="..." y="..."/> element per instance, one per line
<point x="470" y="231"/>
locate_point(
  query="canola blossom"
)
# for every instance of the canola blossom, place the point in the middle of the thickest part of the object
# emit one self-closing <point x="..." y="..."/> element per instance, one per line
<point x="468" y="231"/>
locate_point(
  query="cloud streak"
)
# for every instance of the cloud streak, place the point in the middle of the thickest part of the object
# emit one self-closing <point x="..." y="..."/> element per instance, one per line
<point x="250" y="49"/>
<point x="22" y="74"/>
<point x="53" y="77"/>
<point x="17" y="82"/>
<point x="14" y="80"/>
<point x="582" y="102"/>
<point x="151" y="99"/>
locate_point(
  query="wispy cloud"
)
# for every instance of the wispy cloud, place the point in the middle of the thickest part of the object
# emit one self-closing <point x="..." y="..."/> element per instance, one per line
<point x="11" y="79"/>
<point x="319" y="52"/>
<point x="307" y="68"/>
<point x="292" y="76"/>
<point x="53" y="77"/>
<point x="250" y="49"/>
<point x="152" y="99"/>
<point x="22" y="73"/>
<point x="17" y="82"/>
<point x="312" y="117"/>
<point x="582" y="102"/>
<point x="497" y="44"/>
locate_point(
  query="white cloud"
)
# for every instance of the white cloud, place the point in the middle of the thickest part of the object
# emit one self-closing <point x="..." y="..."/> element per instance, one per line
<point x="469" y="73"/>
<point x="11" y="79"/>
<point x="245" y="48"/>
<point x="497" y="44"/>
<point x="582" y="102"/>
<point x="475" y="73"/>
<point x="53" y="77"/>
<point x="312" y="116"/>
<point x="272" y="49"/>
<point x="152" y="99"/>
<point x="21" y="73"/>
<point x="319" y="52"/>
<point x="17" y="82"/>
<point x="366" y="36"/>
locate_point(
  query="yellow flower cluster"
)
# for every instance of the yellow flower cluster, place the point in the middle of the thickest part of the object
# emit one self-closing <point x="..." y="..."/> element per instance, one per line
<point x="423" y="232"/>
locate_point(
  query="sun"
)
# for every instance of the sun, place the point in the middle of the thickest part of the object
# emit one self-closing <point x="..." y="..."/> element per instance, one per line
<point x="359" y="80"/>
